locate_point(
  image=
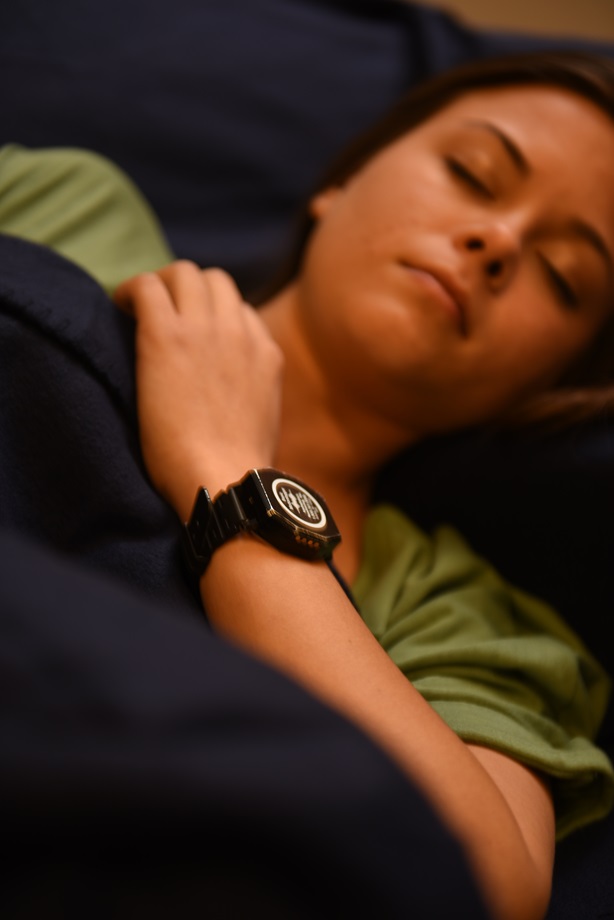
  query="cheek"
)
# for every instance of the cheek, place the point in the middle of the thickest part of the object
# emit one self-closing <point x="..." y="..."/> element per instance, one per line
<point x="394" y="199"/>
<point x="534" y="344"/>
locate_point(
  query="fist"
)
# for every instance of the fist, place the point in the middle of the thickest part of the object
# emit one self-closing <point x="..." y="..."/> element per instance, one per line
<point x="208" y="380"/>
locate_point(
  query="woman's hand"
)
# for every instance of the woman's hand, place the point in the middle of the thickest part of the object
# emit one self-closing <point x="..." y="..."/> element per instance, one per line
<point x="208" y="380"/>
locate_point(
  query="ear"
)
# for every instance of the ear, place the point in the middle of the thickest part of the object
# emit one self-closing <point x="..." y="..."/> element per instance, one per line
<point x="320" y="204"/>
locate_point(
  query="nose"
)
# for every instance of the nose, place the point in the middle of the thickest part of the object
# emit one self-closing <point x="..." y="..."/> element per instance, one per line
<point x="495" y="248"/>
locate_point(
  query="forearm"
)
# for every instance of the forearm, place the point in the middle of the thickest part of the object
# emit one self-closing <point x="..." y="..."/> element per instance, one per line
<point x="295" y="615"/>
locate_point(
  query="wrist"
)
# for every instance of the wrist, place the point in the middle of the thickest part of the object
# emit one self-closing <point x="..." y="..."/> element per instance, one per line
<point x="196" y="475"/>
<point x="266" y="503"/>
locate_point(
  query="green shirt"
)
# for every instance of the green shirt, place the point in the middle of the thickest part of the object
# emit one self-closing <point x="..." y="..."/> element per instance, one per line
<point x="501" y="668"/>
<point x="83" y="207"/>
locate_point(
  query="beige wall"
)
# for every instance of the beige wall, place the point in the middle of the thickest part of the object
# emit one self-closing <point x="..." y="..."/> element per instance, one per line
<point x="592" y="18"/>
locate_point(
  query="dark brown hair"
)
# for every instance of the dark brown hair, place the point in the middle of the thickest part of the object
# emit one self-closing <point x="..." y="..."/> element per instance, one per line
<point x="587" y="390"/>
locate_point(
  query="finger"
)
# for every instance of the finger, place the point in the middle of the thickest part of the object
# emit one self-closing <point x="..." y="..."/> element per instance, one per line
<point x="142" y="295"/>
<point x="186" y="287"/>
<point x="231" y="311"/>
<point x="223" y="291"/>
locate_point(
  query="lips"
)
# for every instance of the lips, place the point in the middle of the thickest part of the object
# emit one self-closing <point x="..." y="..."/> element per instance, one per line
<point x="448" y="288"/>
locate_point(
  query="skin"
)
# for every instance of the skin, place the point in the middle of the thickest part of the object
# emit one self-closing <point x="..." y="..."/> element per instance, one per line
<point x="428" y="300"/>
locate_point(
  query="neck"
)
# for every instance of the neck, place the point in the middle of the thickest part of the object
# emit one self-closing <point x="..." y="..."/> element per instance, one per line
<point x="326" y="439"/>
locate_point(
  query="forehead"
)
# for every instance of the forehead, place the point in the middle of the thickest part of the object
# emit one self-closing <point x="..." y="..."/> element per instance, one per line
<point x="537" y="114"/>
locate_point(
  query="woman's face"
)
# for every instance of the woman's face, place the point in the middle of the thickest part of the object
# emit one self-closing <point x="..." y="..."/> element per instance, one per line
<point x="469" y="264"/>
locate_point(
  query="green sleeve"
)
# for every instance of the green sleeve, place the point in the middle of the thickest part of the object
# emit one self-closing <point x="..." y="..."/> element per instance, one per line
<point x="82" y="206"/>
<point x="500" y="667"/>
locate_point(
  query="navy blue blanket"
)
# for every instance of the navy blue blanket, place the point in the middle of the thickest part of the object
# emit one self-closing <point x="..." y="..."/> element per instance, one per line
<point x="71" y="474"/>
<point x="148" y="769"/>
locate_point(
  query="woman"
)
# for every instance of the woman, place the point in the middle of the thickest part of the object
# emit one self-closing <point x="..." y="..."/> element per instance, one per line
<point x="430" y="271"/>
<point x="436" y="260"/>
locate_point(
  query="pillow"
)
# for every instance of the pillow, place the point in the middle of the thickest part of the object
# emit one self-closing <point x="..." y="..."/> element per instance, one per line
<point x="224" y="112"/>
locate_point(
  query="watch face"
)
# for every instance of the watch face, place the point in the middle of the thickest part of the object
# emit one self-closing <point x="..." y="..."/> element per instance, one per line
<point x="299" y="503"/>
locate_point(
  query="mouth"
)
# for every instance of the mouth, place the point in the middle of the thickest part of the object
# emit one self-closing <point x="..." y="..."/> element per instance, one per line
<point x="447" y="290"/>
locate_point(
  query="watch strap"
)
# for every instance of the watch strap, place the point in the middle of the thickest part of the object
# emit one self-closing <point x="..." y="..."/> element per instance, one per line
<point x="209" y="527"/>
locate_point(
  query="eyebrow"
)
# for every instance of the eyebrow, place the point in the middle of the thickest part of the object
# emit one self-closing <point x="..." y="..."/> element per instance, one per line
<point x="576" y="226"/>
<point x="510" y="146"/>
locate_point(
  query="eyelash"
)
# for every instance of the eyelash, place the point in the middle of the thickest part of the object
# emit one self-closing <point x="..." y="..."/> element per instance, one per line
<point x="461" y="172"/>
<point x="563" y="289"/>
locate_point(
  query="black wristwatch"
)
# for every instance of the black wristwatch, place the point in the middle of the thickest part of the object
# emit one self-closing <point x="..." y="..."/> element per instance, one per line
<point x="276" y="507"/>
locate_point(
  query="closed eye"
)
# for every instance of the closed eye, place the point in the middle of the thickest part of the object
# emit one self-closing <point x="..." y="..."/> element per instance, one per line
<point x="562" y="287"/>
<point x="458" y="169"/>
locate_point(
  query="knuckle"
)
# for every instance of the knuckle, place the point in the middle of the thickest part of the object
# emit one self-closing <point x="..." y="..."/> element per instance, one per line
<point x="216" y="272"/>
<point x="185" y="265"/>
<point x="222" y="281"/>
<point x="179" y="271"/>
<point x="143" y="288"/>
<point x="146" y="280"/>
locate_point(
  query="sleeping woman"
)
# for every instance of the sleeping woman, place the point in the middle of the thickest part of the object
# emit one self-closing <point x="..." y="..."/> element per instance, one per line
<point x="455" y="268"/>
